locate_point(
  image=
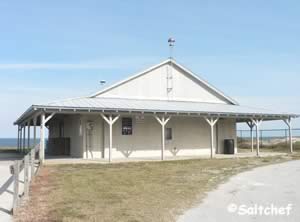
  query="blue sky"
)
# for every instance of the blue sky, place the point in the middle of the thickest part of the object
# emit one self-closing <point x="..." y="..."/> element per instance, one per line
<point x="57" y="49"/>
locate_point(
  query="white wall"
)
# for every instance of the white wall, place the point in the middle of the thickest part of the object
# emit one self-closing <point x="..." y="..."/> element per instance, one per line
<point x="153" y="85"/>
<point x="72" y="130"/>
<point x="191" y="136"/>
<point x="226" y="129"/>
<point x="93" y="143"/>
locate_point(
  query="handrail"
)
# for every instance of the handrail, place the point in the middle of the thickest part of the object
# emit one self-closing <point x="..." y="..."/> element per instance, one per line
<point x="37" y="148"/>
<point x="26" y="163"/>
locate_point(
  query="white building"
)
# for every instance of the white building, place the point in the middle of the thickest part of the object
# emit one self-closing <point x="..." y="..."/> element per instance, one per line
<point x="163" y="111"/>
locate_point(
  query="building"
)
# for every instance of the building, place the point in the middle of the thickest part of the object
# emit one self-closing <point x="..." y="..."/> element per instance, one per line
<point x="163" y="111"/>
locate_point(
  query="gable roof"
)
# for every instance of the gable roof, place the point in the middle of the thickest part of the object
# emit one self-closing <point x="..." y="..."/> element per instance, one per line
<point x="190" y="73"/>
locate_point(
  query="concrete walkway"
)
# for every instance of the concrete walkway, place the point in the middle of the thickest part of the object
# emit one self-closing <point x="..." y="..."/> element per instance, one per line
<point x="6" y="185"/>
<point x="269" y="193"/>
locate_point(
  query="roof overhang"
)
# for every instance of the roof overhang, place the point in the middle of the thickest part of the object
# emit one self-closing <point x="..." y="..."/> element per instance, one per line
<point x="36" y="110"/>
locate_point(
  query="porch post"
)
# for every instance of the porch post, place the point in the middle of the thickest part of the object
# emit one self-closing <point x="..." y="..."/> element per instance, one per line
<point x="34" y="131"/>
<point x="163" y="121"/>
<point x="212" y="122"/>
<point x="42" y="139"/>
<point x="257" y="123"/>
<point x="28" y="134"/>
<point x="24" y="137"/>
<point x="20" y="143"/>
<point x="251" y="125"/>
<point x="289" y="124"/>
<point x="257" y="140"/>
<point x="20" y="140"/>
<point x="110" y="121"/>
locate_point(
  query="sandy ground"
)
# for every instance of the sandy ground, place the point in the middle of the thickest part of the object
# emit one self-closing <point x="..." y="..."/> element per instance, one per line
<point x="253" y="196"/>
<point x="6" y="186"/>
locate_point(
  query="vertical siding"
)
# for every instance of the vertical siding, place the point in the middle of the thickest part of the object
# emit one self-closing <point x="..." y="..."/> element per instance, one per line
<point x="153" y="85"/>
<point x="226" y="130"/>
<point x="93" y="146"/>
<point x="191" y="136"/>
<point x="73" y="130"/>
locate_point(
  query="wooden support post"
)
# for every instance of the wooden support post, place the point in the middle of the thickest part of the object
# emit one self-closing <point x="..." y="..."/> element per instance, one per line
<point x="26" y="175"/>
<point x="32" y="158"/>
<point x="251" y="125"/>
<point x="24" y="138"/>
<point x="257" y="140"/>
<point x="43" y="121"/>
<point x="212" y="122"/>
<point x="28" y="135"/>
<point x="16" y="186"/>
<point x="20" y="148"/>
<point x="42" y="139"/>
<point x="257" y="123"/>
<point x="34" y="132"/>
<point x="18" y="139"/>
<point x="289" y="124"/>
<point x="110" y="139"/>
<point x="110" y="121"/>
<point x="163" y="122"/>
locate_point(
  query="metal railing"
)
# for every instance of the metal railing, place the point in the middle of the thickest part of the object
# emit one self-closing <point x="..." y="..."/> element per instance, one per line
<point x="28" y="163"/>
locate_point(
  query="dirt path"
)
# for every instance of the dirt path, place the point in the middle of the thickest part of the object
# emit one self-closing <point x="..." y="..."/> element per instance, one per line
<point x="253" y="196"/>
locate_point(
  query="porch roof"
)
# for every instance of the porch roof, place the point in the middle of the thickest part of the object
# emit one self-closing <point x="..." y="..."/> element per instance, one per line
<point x="113" y="105"/>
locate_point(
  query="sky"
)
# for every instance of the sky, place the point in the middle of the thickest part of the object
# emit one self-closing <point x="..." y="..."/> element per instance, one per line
<point x="55" y="49"/>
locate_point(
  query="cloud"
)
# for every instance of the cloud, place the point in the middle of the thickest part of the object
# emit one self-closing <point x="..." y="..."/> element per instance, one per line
<point x="100" y="63"/>
<point x="52" y="66"/>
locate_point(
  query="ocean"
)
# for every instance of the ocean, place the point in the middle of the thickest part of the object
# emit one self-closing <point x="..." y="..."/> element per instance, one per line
<point x="11" y="142"/>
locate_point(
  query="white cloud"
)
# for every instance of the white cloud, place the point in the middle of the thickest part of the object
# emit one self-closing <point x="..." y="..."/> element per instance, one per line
<point x="52" y="66"/>
<point x="100" y="63"/>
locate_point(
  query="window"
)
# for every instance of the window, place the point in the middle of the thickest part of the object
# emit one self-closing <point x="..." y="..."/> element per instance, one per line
<point x="168" y="134"/>
<point x="126" y="126"/>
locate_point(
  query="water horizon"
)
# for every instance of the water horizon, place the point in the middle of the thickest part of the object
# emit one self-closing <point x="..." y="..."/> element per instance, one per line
<point x="12" y="142"/>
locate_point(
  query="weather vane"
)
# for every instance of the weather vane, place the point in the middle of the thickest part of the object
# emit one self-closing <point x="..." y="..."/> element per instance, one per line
<point x="171" y="42"/>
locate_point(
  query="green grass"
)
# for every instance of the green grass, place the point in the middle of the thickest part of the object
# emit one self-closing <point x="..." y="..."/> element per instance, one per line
<point x="279" y="147"/>
<point x="144" y="191"/>
<point x="8" y="149"/>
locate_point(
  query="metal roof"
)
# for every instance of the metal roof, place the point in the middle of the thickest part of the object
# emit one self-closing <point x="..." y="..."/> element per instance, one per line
<point x="98" y="104"/>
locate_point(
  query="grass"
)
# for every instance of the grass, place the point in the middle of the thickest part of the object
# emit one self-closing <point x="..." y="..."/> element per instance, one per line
<point x="144" y="191"/>
<point x="278" y="147"/>
<point x="8" y="149"/>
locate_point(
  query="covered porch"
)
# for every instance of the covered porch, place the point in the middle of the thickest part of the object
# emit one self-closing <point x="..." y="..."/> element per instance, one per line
<point x="212" y="115"/>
